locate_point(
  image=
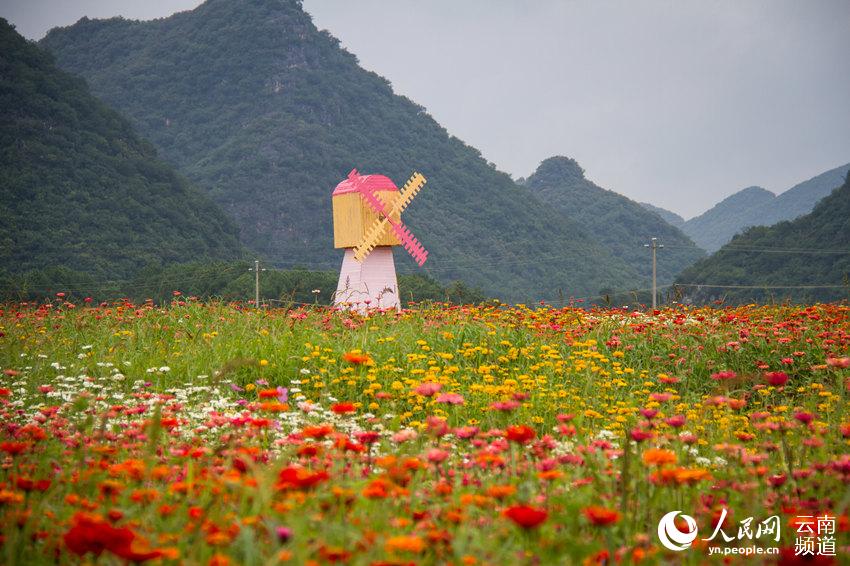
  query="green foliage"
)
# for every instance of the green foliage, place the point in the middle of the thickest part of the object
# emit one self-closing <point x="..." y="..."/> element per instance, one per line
<point x="755" y="206"/>
<point x="79" y="188"/>
<point x="623" y="225"/>
<point x="668" y="216"/>
<point x="266" y="114"/>
<point x="813" y="250"/>
<point x="716" y="226"/>
<point x="230" y="281"/>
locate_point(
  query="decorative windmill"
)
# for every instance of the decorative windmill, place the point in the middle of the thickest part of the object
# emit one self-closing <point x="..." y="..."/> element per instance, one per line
<point x="367" y="223"/>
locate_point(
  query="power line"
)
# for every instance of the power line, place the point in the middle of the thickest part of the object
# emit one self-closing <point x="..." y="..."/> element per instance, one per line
<point x="123" y="285"/>
<point x="732" y="247"/>
<point x="760" y="286"/>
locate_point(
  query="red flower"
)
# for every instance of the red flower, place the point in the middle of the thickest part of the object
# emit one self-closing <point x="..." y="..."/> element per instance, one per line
<point x="300" y="478"/>
<point x="804" y="417"/>
<point x="367" y="436"/>
<point x="13" y="448"/>
<point x="525" y="516"/>
<point x="27" y="484"/>
<point x="776" y="378"/>
<point x="343" y="408"/>
<point x="90" y="533"/>
<point x="601" y="516"/>
<point x="639" y="435"/>
<point x="520" y="433"/>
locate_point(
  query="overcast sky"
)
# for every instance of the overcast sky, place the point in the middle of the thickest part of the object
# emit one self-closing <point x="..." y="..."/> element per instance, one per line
<point x="673" y="102"/>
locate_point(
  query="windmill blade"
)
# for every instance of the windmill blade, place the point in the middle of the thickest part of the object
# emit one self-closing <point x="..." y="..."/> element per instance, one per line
<point x="370" y="240"/>
<point x="377" y="230"/>
<point x="408" y="191"/>
<point x="405" y="236"/>
<point x="410" y="243"/>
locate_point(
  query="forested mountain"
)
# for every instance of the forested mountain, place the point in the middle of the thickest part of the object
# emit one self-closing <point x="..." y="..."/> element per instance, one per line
<point x="266" y="113"/>
<point x="755" y="206"/>
<point x="80" y="189"/>
<point x="802" y="198"/>
<point x="668" y="216"/>
<point x="623" y="225"/>
<point x="812" y="252"/>
<point x="716" y="226"/>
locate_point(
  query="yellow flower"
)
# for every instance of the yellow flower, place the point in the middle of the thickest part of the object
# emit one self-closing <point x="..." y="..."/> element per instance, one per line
<point x="264" y="362"/>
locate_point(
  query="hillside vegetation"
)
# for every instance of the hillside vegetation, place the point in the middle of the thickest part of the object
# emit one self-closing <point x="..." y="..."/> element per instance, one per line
<point x="812" y="252"/>
<point x="668" y="216"/>
<point x="755" y="206"/>
<point x="79" y="188"/>
<point x="623" y="225"/>
<point x="266" y="114"/>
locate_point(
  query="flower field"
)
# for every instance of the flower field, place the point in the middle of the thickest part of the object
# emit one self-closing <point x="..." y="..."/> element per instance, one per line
<point x="215" y="434"/>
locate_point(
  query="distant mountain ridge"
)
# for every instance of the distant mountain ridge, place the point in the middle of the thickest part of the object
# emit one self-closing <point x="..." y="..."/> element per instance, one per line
<point x="622" y="224"/>
<point x="668" y="216"/>
<point x="716" y="226"/>
<point x="811" y="253"/>
<point x="266" y="114"/>
<point x="80" y="190"/>
<point x="755" y="206"/>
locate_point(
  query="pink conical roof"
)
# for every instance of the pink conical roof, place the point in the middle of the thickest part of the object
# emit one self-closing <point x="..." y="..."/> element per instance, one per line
<point x="374" y="182"/>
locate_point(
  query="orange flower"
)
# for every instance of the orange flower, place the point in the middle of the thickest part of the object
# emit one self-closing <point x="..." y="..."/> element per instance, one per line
<point x="317" y="432"/>
<point x="658" y="457"/>
<point x="501" y="491"/>
<point x="356" y="358"/>
<point x="550" y="475"/>
<point x="377" y="489"/>
<point x="601" y="516"/>
<point x="404" y="544"/>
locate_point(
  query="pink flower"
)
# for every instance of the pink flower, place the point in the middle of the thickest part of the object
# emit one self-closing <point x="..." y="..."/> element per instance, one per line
<point x="838" y="362"/>
<point x="404" y="435"/>
<point x="450" y="398"/>
<point x="724" y="375"/>
<point x="504" y="405"/>
<point x="436" y="455"/>
<point x="428" y="389"/>
<point x="676" y="421"/>
<point x="437" y="426"/>
<point x="466" y="432"/>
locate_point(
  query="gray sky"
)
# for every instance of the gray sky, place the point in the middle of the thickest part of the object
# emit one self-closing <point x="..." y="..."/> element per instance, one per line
<point x="679" y="103"/>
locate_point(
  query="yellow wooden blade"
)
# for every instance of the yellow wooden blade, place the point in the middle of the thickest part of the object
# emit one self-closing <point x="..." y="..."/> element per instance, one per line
<point x="408" y="191"/>
<point x="376" y="231"/>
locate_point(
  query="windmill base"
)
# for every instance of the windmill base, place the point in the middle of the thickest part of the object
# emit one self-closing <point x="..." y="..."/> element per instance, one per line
<point x="371" y="284"/>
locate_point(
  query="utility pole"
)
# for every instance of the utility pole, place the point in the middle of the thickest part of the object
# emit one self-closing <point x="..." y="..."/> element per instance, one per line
<point x="654" y="245"/>
<point x="256" y="269"/>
